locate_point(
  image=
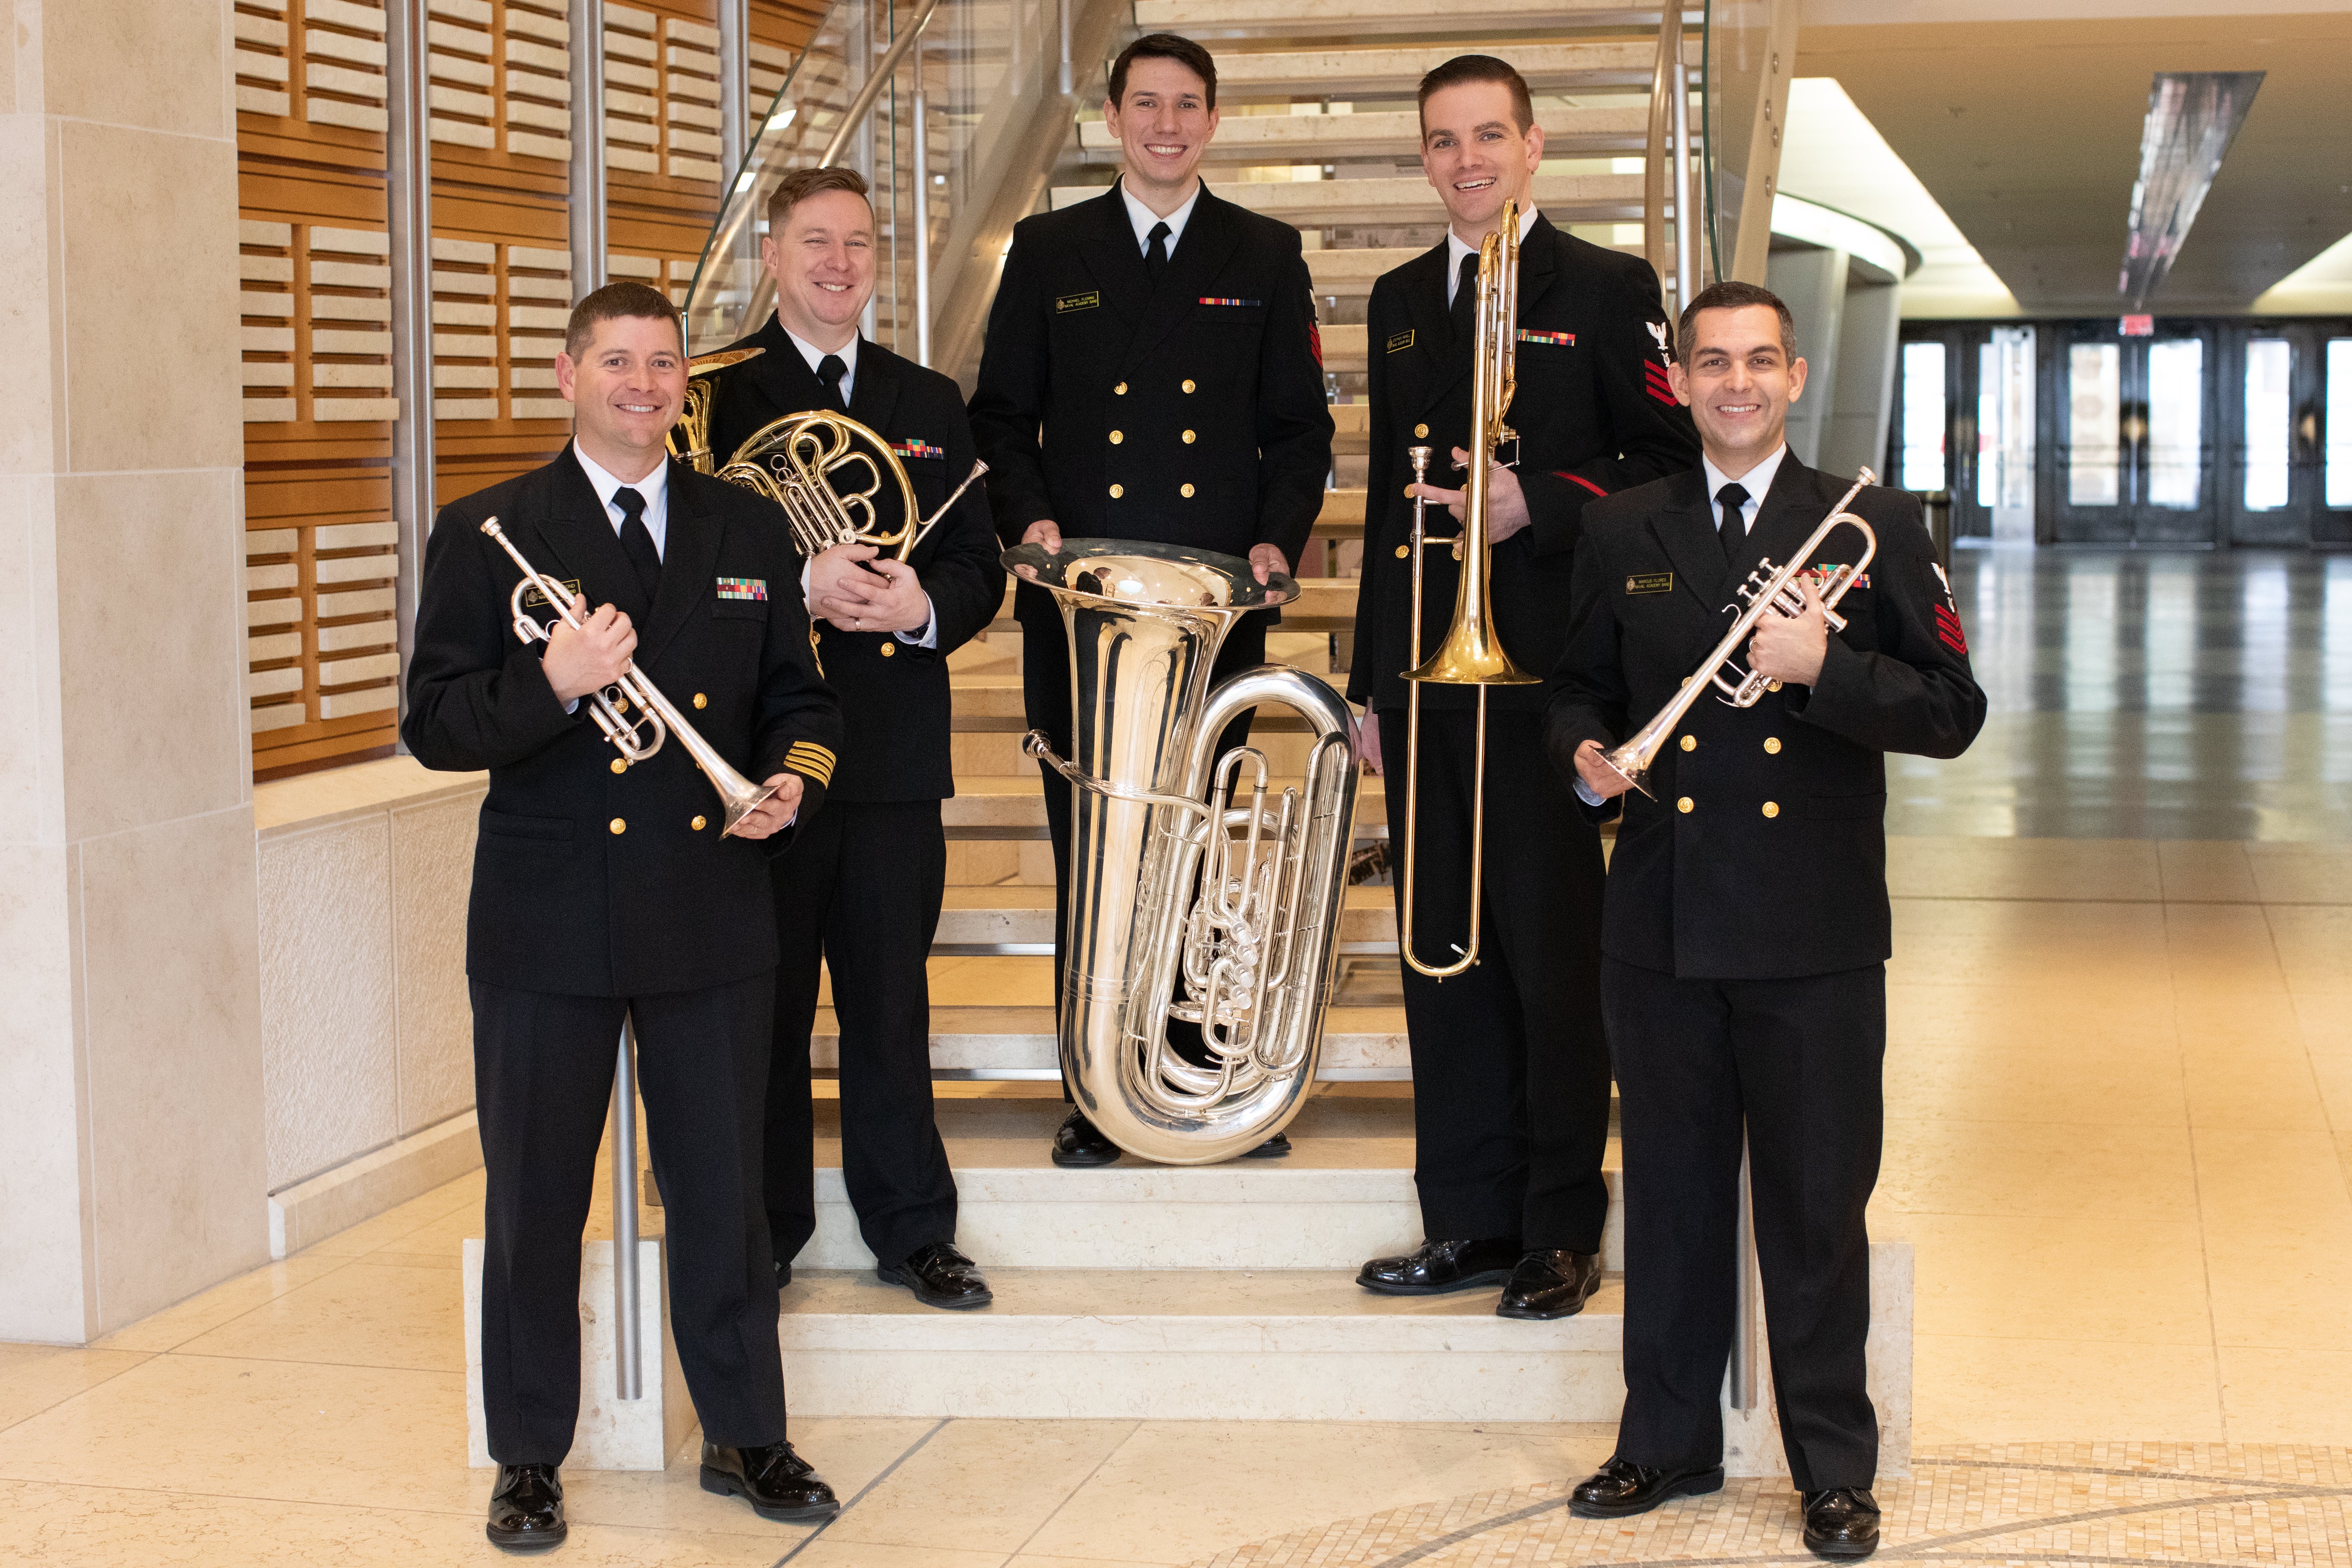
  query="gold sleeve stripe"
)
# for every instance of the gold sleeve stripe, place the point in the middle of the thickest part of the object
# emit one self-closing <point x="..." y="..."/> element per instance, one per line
<point x="808" y="757"/>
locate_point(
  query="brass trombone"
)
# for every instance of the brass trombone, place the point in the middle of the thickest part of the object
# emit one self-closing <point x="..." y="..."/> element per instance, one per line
<point x="1471" y="654"/>
<point x="662" y="718"/>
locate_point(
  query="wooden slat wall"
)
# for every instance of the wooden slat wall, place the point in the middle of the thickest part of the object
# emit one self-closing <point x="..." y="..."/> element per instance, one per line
<point x="318" y="369"/>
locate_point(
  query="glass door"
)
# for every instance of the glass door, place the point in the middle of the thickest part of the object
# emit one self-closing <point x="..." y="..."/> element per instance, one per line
<point x="2291" y="479"/>
<point x="2136" y="423"/>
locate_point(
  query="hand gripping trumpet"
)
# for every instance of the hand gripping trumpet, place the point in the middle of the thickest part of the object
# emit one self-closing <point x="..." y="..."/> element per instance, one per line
<point x="637" y="739"/>
<point x="1770" y="589"/>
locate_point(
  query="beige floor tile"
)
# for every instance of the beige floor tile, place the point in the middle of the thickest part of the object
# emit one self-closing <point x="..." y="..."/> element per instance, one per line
<point x="2287" y="1395"/>
<point x="1278" y="1477"/>
<point x="292" y="1431"/>
<point x="2196" y="869"/>
<point x="1037" y="1560"/>
<point x="2252" y="1084"/>
<point x="826" y="1551"/>
<point x="175" y="1326"/>
<point x="981" y="1485"/>
<point x="2118" y="1088"/>
<point x="2302" y="873"/>
<point x="2222" y="951"/>
<point x="394" y="1224"/>
<point x="35" y="1378"/>
<point x="367" y="1314"/>
<point x="1995" y="1277"/>
<point x="2122" y="1175"/>
<point x="2093" y="948"/>
<point x="2325" y="1020"/>
<point x="2133" y="1025"/>
<point x="2014" y="1391"/>
<point x="2258" y="1185"/>
<point x="2314" y="947"/>
<point x="2333" y="1074"/>
<point x="107" y="1527"/>
<point x="2084" y="869"/>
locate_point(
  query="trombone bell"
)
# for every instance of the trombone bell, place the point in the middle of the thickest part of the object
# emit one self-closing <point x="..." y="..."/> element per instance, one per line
<point x="1471" y="654"/>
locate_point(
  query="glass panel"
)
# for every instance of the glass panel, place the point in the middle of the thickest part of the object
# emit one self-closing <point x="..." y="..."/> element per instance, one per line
<point x="2005" y="432"/>
<point x="2338" y="418"/>
<point x="1739" y="63"/>
<point x="1924" y="417"/>
<point x="2269" y="422"/>
<point x="2095" y="398"/>
<point x="2175" y="421"/>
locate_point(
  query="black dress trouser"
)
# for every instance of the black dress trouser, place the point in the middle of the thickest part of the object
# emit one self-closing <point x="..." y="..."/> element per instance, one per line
<point x="543" y="1081"/>
<point x="861" y="892"/>
<point x="1045" y="703"/>
<point x="1510" y="1066"/>
<point x="1795" y="1065"/>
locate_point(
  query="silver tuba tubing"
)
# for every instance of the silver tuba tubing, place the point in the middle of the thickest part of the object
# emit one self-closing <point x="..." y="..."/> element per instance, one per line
<point x="1251" y="956"/>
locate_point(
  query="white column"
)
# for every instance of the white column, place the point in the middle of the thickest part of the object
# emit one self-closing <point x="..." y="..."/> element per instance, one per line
<point x="1865" y="400"/>
<point x="1812" y="284"/>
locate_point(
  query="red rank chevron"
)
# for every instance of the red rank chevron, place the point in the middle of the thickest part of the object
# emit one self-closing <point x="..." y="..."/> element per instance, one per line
<point x="1661" y="386"/>
<point x="1947" y="629"/>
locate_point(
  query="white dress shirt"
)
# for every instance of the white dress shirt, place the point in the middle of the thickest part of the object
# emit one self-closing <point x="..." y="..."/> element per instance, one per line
<point x="1455" y="249"/>
<point x="847" y="354"/>
<point x="1143" y="217"/>
<point x="654" y="486"/>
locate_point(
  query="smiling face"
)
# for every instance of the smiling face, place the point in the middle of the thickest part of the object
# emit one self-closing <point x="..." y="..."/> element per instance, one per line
<point x="1163" y="125"/>
<point x="1739" y="380"/>
<point x="1476" y="155"/>
<point x="822" y="262"/>
<point x="625" y="389"/>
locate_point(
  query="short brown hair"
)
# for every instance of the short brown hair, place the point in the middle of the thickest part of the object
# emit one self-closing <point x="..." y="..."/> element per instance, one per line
<point x="800" y="185"/>
<point x="611" y="303"/>
<point x="1165" y="46"/>
<point x="1733" y="296"/>
<point x="1480" y="67"/>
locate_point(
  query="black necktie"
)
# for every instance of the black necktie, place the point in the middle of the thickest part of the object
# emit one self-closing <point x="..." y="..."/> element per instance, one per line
<point x="1155" y="253"/>
<point x="1465" y="298"/>
<point x="830" y="370"/>
<point x="1734" y="528"/>
<point x="637" y="541"/>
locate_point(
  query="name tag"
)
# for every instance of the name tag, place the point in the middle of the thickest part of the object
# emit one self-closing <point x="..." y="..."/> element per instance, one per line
<point x="1552" y="340"/>
<point x="742" y="587"/>
<point x="1401" y="341"/>
<point x="1077" y="302"/>
<point x="915" y="448"/>
<point x="533" y="597"/>
<point x="1651" y="583"/>
<point x="1213" y="300"/>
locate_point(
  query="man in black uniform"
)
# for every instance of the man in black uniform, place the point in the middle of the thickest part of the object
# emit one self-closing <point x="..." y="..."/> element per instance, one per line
<point x="861" y="889"/>
<point x="603" y="889"/>
<point x="1165" y="341"/>
<point x="1746" y="930"/>
<point x="1510" y="1070"/>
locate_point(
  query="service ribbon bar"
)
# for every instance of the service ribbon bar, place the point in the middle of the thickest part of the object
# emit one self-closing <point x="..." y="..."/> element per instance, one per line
<point x="743" y="588"/>
<point x="915" y="448"/>
<point x="1214" y="299"/>
<point x="1556" y="340"/>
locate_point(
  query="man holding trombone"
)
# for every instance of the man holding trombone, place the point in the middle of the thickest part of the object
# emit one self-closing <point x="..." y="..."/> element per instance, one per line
<point x="614" y="883"/>
<point x="1510" y="1069"/>
<point x="1748" y="926"/>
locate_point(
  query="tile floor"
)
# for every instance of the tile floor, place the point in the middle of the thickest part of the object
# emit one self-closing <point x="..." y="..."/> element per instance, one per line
<point x="2120" y="1118"/>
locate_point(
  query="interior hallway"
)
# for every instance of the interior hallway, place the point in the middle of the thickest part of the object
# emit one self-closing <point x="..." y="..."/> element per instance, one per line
<point x="2120" y="1111"/>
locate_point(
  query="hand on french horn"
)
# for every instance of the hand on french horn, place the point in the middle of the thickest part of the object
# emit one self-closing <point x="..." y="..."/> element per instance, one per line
<point x="858" y="590"/>
<point x="1506" y="503"/>
<point x="1603" y="780"/>
<point x="591" y="657"/>
<point x="775" y="814"/>
<point x="1791" y="647"/>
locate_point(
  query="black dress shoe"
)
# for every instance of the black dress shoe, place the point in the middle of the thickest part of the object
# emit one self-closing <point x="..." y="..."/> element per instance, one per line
<point x="1840" y="1523"/>
<point x="783" y="1275"/>
<point x="526" y="1509"/>
<point x="1436" y="1267"/>
<point x="777" y="1483"/>
<point x="1079" y="1143"/>
<point x="1274" y="1148"/>
<point x="1621" y="1490"/>
<point x="939" y="1276"/>
<point x="1550" y="1284"/>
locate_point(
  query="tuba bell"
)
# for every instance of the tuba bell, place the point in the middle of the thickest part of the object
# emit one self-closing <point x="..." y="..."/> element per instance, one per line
<point x="690" y="438"/>
<point x="1153" y="813"/>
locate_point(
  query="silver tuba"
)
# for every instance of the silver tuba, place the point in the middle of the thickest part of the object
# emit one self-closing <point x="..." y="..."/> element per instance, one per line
<point x="1257" y="949"/>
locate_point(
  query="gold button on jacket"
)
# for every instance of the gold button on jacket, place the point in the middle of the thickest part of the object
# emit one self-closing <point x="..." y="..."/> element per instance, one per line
<point x="1690" y="743"/>
<point x="1771" y="745"/>
<point x="620" y="764"/>
<point x="1188" y="387"/>
<point x="1191" y="436"/>
<point x="1403" y="551"/>
<point x="1685" y="803"/>
<point x="1421" y="431"/>
<point x="1186" y="492"/>
<point x="1771" y="809"/>
<point x="700" y="700"/>
<point x="1116" y="436"/>
<point x="1121" y="390"/>
<point x="700" y="823"/>
<point x="619" y="825"/>
<point x="888" y="648"/>
<point x="1117" y="491"/>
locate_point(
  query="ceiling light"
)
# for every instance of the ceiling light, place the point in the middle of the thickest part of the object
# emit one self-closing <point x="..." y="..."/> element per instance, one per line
<point x="2192" y="118"/>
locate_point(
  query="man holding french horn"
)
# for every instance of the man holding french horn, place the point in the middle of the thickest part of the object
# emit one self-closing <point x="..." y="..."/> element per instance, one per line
<point x="1748" y="927"/>
<point x="861" y="890"/>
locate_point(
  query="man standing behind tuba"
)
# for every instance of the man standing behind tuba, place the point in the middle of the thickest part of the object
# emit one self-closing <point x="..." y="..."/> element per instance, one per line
<point x="862" y="888"/>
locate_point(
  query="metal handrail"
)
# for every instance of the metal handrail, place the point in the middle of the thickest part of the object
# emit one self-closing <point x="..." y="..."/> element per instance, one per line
<point x="875" y="80"/>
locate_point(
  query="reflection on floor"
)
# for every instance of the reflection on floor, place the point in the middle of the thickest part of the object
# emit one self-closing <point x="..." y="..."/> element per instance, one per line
<point x="2119" y="1087"/>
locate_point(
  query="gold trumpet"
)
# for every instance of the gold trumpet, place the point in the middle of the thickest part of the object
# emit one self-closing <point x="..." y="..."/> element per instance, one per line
<point x="662" y="718"/>
<point x="1471" y="654"/>
<point x="1769" y="590"/>
<point x="792" y="461"/>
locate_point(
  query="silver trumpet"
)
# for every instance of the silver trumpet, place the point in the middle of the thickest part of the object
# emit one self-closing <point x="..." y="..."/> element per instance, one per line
<point x="1257" y="947"/>
<point x="640" y="738"/>
<point x="1769" y="589"/>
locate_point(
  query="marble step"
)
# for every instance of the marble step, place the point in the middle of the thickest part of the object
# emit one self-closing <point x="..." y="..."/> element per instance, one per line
<point x="992" y="920"/>
<point x="1013" y="805"/>
<point x="1324" y="203"/>
<point x="1194" y="1346"/>
<point x="1016" y="1041"/>
<point x="1221" y="19"/>
<point x="1272" y="139"/>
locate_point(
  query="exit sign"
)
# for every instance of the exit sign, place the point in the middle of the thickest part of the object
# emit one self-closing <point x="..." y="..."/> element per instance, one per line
<point x="2139" y="326"/>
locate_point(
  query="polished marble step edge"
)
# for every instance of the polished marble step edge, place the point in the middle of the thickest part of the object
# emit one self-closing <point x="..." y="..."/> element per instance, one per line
<point x="336" y="1199"/>
<point x="1026" y="1045"/>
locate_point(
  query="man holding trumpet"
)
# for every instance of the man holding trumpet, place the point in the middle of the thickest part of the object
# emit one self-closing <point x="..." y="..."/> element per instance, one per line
<point x="608" y="887"/>
<point x="1747" y="926"/>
